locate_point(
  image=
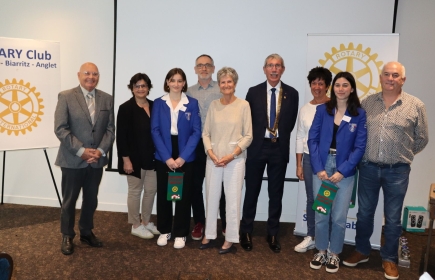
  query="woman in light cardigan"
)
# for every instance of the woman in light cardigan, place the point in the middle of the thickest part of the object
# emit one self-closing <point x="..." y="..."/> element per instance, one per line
<point x="227" y="134"/>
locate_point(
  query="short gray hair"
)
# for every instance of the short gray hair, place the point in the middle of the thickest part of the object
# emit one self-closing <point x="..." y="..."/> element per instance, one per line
<point x="206" y="55"/>
<point x="276" y="56"/>
<point x="400" y="64"/>
<point x="227" y="71"/>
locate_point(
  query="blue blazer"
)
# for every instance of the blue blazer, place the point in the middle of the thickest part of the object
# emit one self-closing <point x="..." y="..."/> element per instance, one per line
<point x="351" y="140"/>
<point x="189" y="129"/>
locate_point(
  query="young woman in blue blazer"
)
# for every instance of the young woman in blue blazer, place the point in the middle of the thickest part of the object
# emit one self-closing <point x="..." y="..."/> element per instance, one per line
<point x="176" y="130"/>
<point x="336" y="141"/>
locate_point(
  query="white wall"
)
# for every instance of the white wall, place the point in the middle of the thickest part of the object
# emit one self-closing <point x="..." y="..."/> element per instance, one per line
<point x="85" y="31"/>
<point x="416" y="25"/>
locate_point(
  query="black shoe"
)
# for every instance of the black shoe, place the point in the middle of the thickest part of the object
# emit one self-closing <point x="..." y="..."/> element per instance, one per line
<point x="274" y="243"/>
<point x="246" y="241"/>
<point x="67" y="247"/>
<point x="91" y="240"/>
<point x="208" y="245"/>
<point x="231" y="249"/>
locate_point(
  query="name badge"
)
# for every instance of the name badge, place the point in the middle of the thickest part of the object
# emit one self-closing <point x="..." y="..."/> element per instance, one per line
<point x="346" y="118"/>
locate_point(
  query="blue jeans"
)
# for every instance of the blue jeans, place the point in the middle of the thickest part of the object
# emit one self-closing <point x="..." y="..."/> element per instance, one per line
<point x="394" y="181"/>
<point x="334" y="236"/>
<point x="308" y="178"/>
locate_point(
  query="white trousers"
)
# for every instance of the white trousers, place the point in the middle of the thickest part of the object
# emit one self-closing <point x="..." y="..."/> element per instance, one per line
<point x="232" y="176"/>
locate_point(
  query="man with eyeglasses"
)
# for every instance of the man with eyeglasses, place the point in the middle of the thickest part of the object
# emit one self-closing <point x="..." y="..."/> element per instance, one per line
<point x="205" y="91"/>
<point x="274" y="109"/>
<point x="84" y="124"/>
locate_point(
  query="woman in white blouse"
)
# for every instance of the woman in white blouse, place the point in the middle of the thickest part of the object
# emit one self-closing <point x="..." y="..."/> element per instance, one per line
<point x="319" y="79"/>
<point x="176" y="130"/>
<point x="227" y="133"/>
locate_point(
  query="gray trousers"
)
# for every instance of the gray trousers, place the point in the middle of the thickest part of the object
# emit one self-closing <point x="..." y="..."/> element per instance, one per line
<point x="73" y="181"/>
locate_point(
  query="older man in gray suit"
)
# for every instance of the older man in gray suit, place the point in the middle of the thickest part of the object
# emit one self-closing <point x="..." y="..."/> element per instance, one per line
<point x="84" y="124"/>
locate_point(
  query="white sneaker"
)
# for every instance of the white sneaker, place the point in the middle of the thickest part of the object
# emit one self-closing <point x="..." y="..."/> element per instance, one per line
<point x="163" y="239"/>
<point x="332" y="264"/>
<point x="180" y="242"/>
<point x="141" y="232"/>
<point x="151" y="227"/>
<point x="318" y="260"/>
<point x="307" y="244"/>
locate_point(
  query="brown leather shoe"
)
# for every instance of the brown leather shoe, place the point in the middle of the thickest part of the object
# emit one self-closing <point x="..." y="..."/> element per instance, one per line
<point x="390" y="269"/>
<point x="355" y="258"/>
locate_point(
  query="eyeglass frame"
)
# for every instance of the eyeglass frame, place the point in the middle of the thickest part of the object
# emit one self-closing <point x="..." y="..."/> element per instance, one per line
<point x="87" y="74"/>
<point x="207" y="65"/>
<point x="140" y="86"/>
<point x="277" y="66"/>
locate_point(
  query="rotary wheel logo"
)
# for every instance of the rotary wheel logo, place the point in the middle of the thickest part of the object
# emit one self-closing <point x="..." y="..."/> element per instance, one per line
<point x="174" y="189"/>
<point x="20" y="107"/>
<point x="326" y="193"/>
<point x="361" y="63"/>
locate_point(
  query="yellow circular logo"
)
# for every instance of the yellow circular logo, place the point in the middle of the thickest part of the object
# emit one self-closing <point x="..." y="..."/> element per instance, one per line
<point x="20" y="107"/>
<point x="174" y="189"/>
<point x="361" y="63"/>
<point x="326" y="193"/>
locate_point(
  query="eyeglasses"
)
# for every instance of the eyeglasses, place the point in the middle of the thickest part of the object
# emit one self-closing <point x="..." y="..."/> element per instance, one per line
<point x="140" y="86"/>
<point x="277" y="66"/>
<point x="200" y="66"/>
<point x="87" y="74"/>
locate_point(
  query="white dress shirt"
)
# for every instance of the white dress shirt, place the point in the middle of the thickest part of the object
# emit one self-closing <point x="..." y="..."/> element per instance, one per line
<point x="269" y="95"/>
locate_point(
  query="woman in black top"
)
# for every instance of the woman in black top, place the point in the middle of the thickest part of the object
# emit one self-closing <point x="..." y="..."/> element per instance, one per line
<point x="136" y="155"/>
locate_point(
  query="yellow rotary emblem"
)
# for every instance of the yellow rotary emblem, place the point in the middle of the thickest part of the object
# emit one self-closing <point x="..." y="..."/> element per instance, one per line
<point x="361" y="63"/>
<point x="20" y="107"/>
<point x="174" y="189"/>
<point x="326" y="193"/>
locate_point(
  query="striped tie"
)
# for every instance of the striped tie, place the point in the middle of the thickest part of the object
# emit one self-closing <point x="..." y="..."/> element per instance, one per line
<point x="91" y="105"/>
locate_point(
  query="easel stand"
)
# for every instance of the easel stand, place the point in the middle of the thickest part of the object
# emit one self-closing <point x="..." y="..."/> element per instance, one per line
<point x="49" y="167"/>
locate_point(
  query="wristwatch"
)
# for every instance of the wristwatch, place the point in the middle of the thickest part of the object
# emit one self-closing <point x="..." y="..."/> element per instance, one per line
<point x="234" y="155"/>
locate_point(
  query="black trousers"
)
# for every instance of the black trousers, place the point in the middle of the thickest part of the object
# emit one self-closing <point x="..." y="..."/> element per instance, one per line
<point x="181" y="219"/>
<point x="198" y="179"/>
<point x="271" y="156"/>
<point x="73" y="180"/>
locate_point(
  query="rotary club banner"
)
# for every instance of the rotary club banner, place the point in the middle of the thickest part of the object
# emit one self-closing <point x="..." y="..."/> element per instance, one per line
<point x="175" y="186"/>
<point x="323" y="201"/>
<point x="29" y="84"/>
<point x="363" y="56"/>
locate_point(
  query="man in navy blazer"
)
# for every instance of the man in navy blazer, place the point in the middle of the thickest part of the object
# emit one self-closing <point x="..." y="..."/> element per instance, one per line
<point x="85" y="135"/>
<point x="270" y="146"/>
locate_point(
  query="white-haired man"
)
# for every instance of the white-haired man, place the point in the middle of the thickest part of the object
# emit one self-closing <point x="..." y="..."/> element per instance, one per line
<point x="397" y="130"/>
